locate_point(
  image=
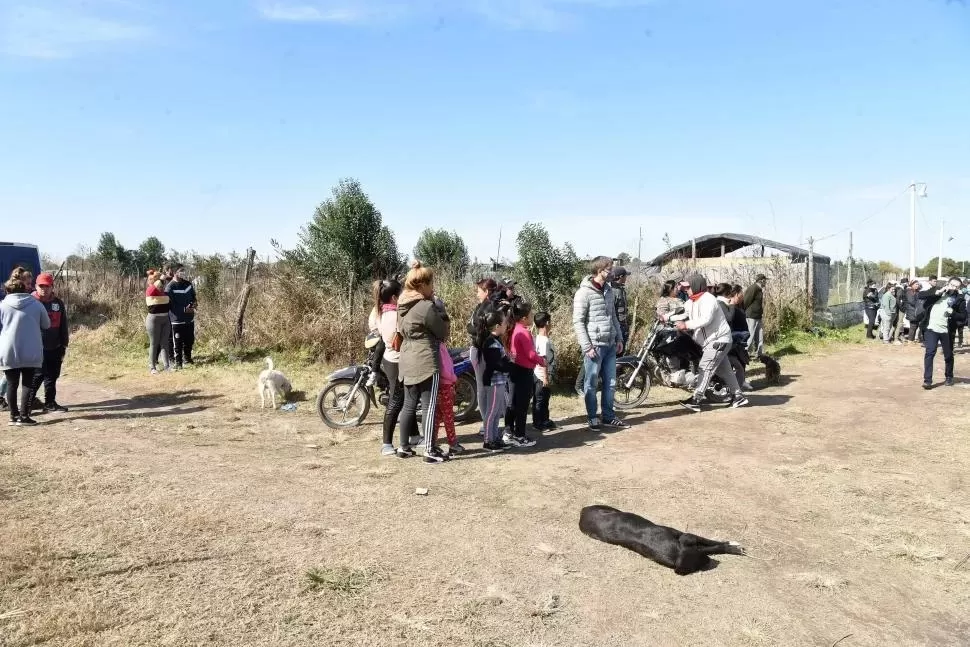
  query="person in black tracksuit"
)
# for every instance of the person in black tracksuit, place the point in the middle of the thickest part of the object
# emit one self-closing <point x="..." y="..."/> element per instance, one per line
<point x="621" y="307"/>
<point x="181" y="294"/>
<point x="56" y="339"/>
<point x="870" y="301"/>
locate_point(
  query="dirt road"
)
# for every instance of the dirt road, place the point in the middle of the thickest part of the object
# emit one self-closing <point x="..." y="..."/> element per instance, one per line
<point x="194" y="518"/>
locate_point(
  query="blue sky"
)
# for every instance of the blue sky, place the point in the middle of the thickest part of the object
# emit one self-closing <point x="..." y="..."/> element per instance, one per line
<point x="221" y="124"/>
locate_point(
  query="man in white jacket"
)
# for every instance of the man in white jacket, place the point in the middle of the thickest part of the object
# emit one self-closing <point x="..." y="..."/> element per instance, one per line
<point x="706" y="321"/>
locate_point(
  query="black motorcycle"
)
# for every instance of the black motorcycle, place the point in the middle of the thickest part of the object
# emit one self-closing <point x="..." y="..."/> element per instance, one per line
<point x="667" y="358"/>
<point x="347" y="398"/>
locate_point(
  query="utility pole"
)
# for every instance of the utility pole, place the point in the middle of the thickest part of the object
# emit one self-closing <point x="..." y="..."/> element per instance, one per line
<point x="848" y="278"/>
<point x="811" y="277"/>
<point x="917" y="190"/>
<point x="912" y="231"/>
<point x="939" y="261"/>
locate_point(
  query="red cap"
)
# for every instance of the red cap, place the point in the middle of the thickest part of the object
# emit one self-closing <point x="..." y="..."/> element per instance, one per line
<point x="45" y="278"/>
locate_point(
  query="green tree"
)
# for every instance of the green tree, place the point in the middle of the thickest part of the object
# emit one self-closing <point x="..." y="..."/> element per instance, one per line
<point x="346" y="241"/>
<point x="209" y="271"/>
<point x="950" y="267"/>
<point x="152" y="253"/>
<point x="108" y="248"/>
<point x="443" y="250"/>
<point x="548" y="271"/>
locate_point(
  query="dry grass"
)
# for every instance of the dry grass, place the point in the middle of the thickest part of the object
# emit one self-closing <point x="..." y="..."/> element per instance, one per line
<point x="175" y="512"/>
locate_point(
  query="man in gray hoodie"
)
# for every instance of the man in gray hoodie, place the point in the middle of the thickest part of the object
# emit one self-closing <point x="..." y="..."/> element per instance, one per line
<point x="600" y="337"/>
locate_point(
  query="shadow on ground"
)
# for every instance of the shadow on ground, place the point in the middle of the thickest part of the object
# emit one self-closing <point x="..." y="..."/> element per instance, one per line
<point x="147" y="405"/>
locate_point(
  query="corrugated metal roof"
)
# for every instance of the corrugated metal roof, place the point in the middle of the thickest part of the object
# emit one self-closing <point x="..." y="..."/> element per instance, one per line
<point x="710" y="246"/>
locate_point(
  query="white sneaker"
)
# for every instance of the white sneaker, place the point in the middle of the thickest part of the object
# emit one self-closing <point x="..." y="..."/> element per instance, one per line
<point x="372" y="380"/>
<point x="747" y="388"/>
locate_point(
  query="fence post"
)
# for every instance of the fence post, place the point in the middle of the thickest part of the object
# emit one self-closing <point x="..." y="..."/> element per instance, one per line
<point x="848" y="278"/>
<point x="244" y="298"/>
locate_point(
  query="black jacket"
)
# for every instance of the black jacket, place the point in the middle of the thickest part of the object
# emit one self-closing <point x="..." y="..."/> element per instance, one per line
<point x="181" y="295"/>
<point x="736" y="318"/>
<point x="754" y="301"/>
<point x="958" y="318"/>
<point x="870" y="298"/>
<point x="497" y="361"/>
<point x="909" y="303"/>
<point x="57" y="336"/>
<point x="620" y="307"/>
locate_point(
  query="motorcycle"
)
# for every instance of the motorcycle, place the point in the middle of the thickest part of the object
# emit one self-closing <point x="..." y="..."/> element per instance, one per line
<point x="348" y="396"/>
<point x="667" y="358"/>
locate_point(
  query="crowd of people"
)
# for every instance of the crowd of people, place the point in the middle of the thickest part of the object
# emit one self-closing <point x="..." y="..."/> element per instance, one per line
<point x="514" y="367"/>
<point x="932" y="314"/>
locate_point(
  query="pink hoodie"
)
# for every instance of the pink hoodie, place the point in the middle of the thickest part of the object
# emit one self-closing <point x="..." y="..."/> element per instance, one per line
<point x="447" y="366"/>
<point x="524" y="348"/>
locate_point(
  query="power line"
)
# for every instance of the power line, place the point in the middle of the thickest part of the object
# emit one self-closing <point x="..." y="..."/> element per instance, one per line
<point x="867" y="218"/>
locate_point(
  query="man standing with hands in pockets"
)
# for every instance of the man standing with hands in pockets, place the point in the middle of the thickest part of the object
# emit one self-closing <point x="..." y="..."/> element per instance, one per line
<point x="600" y="336"/>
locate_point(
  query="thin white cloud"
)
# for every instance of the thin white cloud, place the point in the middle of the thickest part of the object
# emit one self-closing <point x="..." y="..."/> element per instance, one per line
<point x="318" y="12"/>
<point x="543" y="15"/>
<point x="52" y="30"/>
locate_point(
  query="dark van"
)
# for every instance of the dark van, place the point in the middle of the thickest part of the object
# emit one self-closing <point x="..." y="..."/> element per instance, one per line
<point x="14" y="254"/>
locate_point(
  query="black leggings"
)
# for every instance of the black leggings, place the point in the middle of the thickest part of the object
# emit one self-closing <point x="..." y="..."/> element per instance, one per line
<point x="523" y="387"/>
<point x="14" y="378"/>
<point x="395" y="402"/>
<point x="427" y="394"/>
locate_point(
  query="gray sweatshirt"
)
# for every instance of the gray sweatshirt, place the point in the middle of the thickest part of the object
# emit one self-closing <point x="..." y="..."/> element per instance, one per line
<point x="22" y="317"/>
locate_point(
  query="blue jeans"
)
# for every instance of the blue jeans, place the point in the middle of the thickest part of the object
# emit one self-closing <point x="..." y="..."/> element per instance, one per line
<point x="603" y="366"/>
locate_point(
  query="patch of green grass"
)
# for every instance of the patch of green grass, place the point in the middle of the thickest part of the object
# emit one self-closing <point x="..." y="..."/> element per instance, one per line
<point x="800" y="342"/>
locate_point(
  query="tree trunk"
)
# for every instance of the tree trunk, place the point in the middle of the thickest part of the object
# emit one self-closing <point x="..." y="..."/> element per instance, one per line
<point x="244" y="297"/>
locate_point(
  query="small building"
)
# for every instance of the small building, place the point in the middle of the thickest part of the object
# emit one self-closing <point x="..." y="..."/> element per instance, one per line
<point x="739" y="258"/>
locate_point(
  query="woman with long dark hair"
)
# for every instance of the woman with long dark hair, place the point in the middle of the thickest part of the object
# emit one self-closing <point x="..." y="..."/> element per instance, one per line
<point x="485" y="289"/>
<point x="384" y="321"/>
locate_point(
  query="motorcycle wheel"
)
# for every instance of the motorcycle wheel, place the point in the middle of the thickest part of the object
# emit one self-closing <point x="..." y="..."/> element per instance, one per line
<point x="633" y="397"/>
<point x="466" y="397"/>
<point x="623" y="398"/>
<point x="336" y="411"/>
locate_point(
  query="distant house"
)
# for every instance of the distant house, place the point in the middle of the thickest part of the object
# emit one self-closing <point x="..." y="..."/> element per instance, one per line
<point x="740" y="257"/>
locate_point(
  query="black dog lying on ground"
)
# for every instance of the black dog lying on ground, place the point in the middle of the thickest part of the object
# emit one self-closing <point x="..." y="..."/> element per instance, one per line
<point x="681" y="551"/>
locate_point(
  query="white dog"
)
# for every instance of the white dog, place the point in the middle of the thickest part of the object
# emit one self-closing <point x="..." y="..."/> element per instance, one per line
<point x="273" y="382"/>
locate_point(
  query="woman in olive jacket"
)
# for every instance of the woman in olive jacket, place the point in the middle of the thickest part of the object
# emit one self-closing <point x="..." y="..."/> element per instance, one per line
<point x="423" y="326"/>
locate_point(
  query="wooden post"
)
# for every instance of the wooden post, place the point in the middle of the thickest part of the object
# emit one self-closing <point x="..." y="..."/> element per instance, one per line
<point x="244" y="297"/>
<point x="693" y="249"/>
